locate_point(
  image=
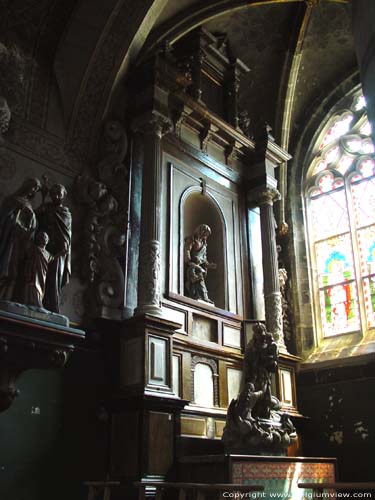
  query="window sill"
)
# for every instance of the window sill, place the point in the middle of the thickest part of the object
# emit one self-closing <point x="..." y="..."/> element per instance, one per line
<point x="349" y="349"/>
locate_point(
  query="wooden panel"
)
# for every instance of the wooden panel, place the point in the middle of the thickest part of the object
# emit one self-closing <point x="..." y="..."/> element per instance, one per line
<point x="186" y="376"/>
<point x="176" y="377"/>
<point x="256" y="267"/>
<point x="132" y="361"/>
<point x="157" y="360"/>
<point x="231" y="336"/>
<point x="234" y="382"/>
<point x="219" y="428"/>
<point x="177" y="316"/>
<point x="124" y="444"/>
<point x="204" y="328"/>
<point x="286" y="382"/>
<point x="193" y="426"/>
<point x="161" y="442"/>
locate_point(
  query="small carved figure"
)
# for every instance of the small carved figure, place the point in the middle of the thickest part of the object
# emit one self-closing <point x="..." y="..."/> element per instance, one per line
<point x="17" y="226"/>
<point x="36" y="267"/>
<point x="55" y="219"/>
<point x="196" y="263"/>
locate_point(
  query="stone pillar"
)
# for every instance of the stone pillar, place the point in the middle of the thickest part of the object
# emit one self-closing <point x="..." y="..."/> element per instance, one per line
<point x="272" y="294"/>
<point x="364" y="42"/>
<point x="153" y="127"/>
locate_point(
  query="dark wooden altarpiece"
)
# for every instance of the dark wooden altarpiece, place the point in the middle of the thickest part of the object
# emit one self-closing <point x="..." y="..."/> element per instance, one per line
<point x="181" y="359"/>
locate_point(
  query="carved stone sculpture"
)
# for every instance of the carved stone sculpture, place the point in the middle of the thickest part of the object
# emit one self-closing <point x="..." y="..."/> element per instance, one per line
<point x="105" y="199"/>
<point x="5" y="115"/>
<point x="254" y="423"/>
<point x="17" y="226"/>
<point x="54" y="218"/>
<point x="196" y="264"/>
<point x="36" y="267"/>
<point x="287" y="329"/>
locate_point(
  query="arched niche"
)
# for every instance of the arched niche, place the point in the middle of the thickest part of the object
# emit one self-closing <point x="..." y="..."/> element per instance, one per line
<point x="203" y="385"/>
<point x="196" y="209"/>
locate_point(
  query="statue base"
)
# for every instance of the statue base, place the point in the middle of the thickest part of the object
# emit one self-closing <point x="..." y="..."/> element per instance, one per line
<point x="34" y="312"/>
<point x="279" y="475"/>
<point x="259" y="436"/>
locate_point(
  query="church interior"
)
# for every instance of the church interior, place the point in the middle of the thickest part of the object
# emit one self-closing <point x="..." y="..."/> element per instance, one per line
<point x="187" y="245"/>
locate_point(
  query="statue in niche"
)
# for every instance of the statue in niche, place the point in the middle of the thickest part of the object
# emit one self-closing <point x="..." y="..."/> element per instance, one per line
<point x="55" y="219"/>
<point x="196" y="264"/>
<point x="17" y="226"/>
<point x="254" y="421"/>
<point x="36" y="268"/>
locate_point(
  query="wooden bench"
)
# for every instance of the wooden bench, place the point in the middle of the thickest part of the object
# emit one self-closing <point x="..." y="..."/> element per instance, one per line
<point x="200" y="489"/>
<point x="319" y="487"/>
<point x="100" y="489"/>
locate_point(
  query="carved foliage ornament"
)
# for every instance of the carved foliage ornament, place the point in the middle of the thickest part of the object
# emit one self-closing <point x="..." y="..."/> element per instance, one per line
<point x="105" y="224"/>
<point x="5" y="115"/>
<point x="150" y="259"/>
<point x="12" y="74"/>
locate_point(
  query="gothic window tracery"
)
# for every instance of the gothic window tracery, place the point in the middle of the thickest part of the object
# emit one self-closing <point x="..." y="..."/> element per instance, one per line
<point x="340" y="208"/>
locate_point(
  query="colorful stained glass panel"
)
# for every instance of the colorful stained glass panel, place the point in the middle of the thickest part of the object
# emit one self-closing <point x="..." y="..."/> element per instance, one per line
<point x="319" y="167"/>
<point x="369" y="295"/>
<point x="368" y="147"/>
<point x="364" y="202"/>
<point x="329" y="215"/>
<point x="334" y="260"/>
<point x="339" y="309"/>
<point x="366" y="246"/>
<point x="339" y="128"/>
<point x="351" y="143"/>
<point x="359" y="102"/>
<point x="366" y="128"/>
<point x="344" y="164"/>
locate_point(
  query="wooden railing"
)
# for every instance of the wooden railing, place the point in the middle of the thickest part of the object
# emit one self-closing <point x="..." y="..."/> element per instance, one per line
<point x="103" y="488"/>
<point x="200" y="489"/>
<point x="318" y="488"/>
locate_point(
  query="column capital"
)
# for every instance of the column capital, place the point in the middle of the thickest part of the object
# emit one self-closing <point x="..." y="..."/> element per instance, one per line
<point x="152" y="122"/>
<point x="264" y="195"/>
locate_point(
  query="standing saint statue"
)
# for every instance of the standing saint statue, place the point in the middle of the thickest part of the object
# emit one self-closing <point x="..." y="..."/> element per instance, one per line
<point x="196" y="263"/>
<point x="17" y="226"/>
<point x="36" y="267"/>
<point x="55" y="219"/>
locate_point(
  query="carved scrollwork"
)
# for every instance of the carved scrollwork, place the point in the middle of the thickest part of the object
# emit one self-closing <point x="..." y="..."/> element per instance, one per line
<point x="58" y="358"/>
<point x="106" y="222"/>
<point x="5" y="115"/>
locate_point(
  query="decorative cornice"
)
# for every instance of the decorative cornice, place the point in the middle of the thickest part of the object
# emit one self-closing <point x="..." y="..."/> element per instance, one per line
<point x="153" y="123"/>
<point x="45" y="147"/>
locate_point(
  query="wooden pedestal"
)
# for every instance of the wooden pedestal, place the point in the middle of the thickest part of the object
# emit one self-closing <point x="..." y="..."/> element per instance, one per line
<point x="279" y="475"/>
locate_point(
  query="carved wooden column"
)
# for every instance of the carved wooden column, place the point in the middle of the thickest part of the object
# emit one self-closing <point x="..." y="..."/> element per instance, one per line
<point x="152" y="128"/>
<point x="272" y="294"/>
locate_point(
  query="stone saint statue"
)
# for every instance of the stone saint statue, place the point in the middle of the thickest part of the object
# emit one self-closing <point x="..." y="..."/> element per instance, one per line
<point x="196" y="264"/>
<point x="17" y="226"/>
<point x="55" y="219"/>
<point x="36" y="266"/>
<point x="254" y="422"/>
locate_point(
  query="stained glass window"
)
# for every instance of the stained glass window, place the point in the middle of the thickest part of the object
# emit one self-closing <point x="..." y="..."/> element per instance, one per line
<point x="341" y="222"/>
